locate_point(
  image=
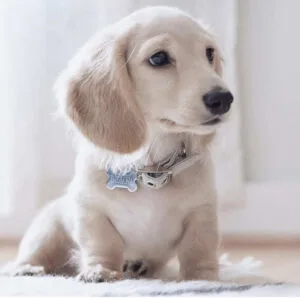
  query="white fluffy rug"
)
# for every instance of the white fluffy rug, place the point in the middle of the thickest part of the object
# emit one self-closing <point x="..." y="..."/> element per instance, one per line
<point x="247" y="282"/>
<point x="58" y="286"/>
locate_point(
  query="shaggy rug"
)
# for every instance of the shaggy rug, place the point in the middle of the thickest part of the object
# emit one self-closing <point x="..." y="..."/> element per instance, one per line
<point x="239" y="279"/>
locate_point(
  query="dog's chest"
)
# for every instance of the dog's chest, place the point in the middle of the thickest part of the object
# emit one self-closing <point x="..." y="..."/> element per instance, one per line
<point x="151" y="221"/>
<point x="148" y="224"/>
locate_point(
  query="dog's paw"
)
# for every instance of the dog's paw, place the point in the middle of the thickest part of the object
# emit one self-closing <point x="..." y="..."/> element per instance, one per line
<point x="23" y="270"/>
<point x="135" y="269"/>
<point x="98" y="274"/>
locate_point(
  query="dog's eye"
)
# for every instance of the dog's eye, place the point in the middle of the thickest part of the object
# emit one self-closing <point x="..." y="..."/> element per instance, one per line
<point x="159" y="59"/>
<point x="210" y="54"/>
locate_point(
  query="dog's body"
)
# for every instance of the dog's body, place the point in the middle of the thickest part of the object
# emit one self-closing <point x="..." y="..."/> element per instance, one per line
<point x="150" y="222"/>
<point x="107" y="226"/>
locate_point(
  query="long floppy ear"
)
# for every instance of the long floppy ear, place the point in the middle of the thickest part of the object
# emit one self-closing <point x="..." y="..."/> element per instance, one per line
<point x="99" y="97"/>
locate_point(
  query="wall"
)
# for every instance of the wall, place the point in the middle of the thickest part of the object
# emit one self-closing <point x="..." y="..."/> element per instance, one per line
<point x="269" y="72"/>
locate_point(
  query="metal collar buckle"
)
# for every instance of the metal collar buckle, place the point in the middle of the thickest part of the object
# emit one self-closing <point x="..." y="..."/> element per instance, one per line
<point x="154" y="179"/>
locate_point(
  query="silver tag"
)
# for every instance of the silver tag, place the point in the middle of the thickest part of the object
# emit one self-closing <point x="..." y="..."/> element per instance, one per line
<point x="120" y="180"/>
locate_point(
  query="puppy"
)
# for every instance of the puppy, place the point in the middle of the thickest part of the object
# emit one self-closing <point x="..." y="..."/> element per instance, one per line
<point x="143" y="98"/>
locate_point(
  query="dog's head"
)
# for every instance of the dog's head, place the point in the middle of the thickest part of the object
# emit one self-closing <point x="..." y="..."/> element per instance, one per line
<point x="156" y="70"/>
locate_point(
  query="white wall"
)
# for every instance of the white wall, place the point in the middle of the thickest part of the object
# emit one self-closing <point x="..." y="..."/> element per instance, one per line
<point x="22" y="78"/>
<point x="269" y="76"/>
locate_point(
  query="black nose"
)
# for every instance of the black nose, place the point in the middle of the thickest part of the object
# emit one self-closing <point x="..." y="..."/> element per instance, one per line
<point x="218" y="101"/>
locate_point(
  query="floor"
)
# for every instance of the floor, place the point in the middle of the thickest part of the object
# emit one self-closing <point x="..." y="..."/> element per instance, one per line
<point x="281" y="263"/>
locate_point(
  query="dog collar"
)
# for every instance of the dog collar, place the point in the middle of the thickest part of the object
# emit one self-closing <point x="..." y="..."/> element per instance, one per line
<point x="154" y="177"/>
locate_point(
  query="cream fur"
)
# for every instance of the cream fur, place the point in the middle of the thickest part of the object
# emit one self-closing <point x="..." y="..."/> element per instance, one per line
<point x="125" y="114"/>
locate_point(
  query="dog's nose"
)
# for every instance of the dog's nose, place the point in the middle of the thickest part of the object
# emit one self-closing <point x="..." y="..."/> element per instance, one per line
<point x="218" y="101"/>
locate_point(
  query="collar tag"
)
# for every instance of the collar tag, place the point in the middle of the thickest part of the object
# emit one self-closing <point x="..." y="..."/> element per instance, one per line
<point x="120" y="180"/>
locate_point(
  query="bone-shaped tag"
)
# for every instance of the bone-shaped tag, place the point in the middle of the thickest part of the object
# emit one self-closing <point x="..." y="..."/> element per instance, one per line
<point x="120" y="180"/>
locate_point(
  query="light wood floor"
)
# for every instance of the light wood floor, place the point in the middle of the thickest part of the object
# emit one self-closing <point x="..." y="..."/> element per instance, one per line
<point x="281" y="263"/>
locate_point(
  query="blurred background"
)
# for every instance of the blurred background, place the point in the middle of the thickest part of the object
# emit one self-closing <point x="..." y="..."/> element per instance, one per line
<point x="256" y="153"/>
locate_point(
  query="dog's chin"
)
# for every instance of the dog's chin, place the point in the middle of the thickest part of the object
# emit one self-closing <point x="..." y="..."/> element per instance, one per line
<point x="203" y="128"/>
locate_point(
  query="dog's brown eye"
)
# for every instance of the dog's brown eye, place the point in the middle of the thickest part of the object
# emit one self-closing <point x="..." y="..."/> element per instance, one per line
<point x="159" y="59"/>
<point x="210" y="54"/>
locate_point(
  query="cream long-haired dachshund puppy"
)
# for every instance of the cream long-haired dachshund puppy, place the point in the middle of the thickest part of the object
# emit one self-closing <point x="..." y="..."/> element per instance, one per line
<point x="143" y="98"/>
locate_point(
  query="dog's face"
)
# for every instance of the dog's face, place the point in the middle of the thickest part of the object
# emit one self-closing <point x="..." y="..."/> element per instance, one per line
<point x="157" y="69"/>
<point x="175" y="67"/>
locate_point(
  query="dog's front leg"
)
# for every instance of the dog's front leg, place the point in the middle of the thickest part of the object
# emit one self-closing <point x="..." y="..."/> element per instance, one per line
<point x="198" y="248"/>
<point x="101" y="247"/>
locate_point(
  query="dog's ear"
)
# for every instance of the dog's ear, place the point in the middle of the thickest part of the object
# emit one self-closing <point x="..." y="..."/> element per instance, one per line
<point x="99" y="96"/>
